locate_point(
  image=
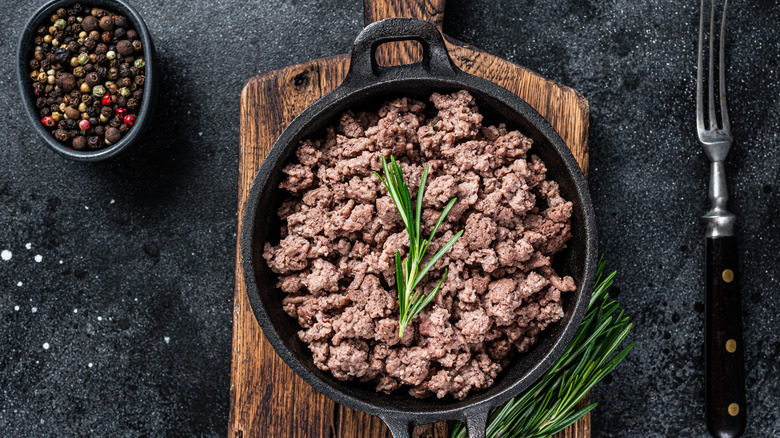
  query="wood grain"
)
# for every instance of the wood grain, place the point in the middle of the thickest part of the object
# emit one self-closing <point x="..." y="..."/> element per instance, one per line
<point x="267" y="398"/>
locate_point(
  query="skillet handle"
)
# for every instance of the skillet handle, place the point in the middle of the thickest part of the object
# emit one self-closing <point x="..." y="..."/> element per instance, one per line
<point x="363" y="65"/>
<point x="476" y="421"/>
<point x="399" y="427"/>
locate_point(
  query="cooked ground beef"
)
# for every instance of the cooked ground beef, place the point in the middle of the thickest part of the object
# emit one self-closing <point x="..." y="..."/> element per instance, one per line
<point x="341" y="231"/>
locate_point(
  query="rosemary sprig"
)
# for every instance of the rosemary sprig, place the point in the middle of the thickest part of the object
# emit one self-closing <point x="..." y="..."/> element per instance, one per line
<point x="549" y="406"/>
<point x="409" y="273"/>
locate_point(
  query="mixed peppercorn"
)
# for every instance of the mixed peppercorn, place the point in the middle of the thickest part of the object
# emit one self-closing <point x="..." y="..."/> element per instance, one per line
<point x="87" y="76"/>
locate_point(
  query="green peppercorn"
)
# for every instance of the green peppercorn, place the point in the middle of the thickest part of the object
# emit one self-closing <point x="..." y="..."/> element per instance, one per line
<point x="60" y="24"/>
<point x="98" y="90"/>
<point x="79" y="72"/>
<point x="139" y="63"/>
<point x="125" y="92"/>
<point x="83" y="58"/>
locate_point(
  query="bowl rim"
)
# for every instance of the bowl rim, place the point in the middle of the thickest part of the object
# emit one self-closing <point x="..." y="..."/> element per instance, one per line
<point x="471" y="405"/>
<point x="25" y="47"/>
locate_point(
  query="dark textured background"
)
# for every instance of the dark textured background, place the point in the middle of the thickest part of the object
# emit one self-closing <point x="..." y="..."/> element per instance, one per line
<point x="134" y="290"/>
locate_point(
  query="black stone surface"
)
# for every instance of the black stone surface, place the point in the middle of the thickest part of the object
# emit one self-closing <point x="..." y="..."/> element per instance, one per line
<point x="133" y="291"/>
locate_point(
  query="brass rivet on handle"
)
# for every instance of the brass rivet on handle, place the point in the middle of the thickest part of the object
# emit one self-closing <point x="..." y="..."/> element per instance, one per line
<point x="731" y="345"/>
<point x="728" y="275"/>
<point x="733" y="409"/>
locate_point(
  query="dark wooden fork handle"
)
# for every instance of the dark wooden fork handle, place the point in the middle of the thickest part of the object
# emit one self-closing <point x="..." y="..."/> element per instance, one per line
<point x="724" y="361"/>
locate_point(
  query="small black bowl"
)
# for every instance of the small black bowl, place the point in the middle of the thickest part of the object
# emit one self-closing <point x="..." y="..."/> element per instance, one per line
<point x="24" y="54"/>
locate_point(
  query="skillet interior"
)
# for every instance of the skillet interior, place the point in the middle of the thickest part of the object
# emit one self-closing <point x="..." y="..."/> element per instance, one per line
<point x="577" y="260"/>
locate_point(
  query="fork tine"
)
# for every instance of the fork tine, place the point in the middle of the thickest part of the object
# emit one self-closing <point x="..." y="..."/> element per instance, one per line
<point x="711" y="84"/>
<point x="724" y="115"/>
<point x="700" y="75"/>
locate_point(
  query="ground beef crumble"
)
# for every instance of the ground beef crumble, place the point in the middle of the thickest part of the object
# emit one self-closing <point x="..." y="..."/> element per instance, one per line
<point x="341" y="230"/>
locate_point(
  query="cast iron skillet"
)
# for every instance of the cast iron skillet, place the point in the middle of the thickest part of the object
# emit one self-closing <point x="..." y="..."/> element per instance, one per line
<point x="367" y="85"/>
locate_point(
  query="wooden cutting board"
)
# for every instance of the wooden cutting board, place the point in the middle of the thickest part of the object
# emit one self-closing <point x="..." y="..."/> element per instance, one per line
<point x="266" y="398"/>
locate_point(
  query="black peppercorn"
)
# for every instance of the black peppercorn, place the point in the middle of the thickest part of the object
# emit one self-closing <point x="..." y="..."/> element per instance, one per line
<point x="123" y="128"/>
<point x="66" y="82"/>
<point x="45" y="112"/>
<point x="92" y="114"/>
<point x="99" y="130"/>
<point x="121" y="21"/>
<point x="101" y="59"/>
<point x="61" y="55"/>
<point x="132" y="35"/>
<point x="133" y="71"/>
<point x="89" y="68"/>
<point x="121" y="101"/>
<point x="106" y="37"/>
<point x="132" y="104"/>
<point x="90" y="44"/>
<point x="35" y="64"/>
<point x="92" y="79"/>
<point x="137" y="46"/>
<point x="106" y="111"/>
<point x="61" y="135"/>
<point x="138" y="94"/>
<point x="120" y="32"/>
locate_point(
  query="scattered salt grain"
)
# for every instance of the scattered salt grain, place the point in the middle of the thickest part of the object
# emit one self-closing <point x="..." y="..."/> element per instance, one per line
<point x="167" y="340"/>
<point x="38" y="258"/>
<point x="20" y="284"/>
<point x="34" y="309"/>
<point x="16" y="308"/>
<point x="6" y="255"/>
<point x="45" y="345"/>
<point x="28" y="246"/>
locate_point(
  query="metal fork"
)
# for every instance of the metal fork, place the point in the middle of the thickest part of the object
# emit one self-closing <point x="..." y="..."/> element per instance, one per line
<point x="723" y="348"/>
